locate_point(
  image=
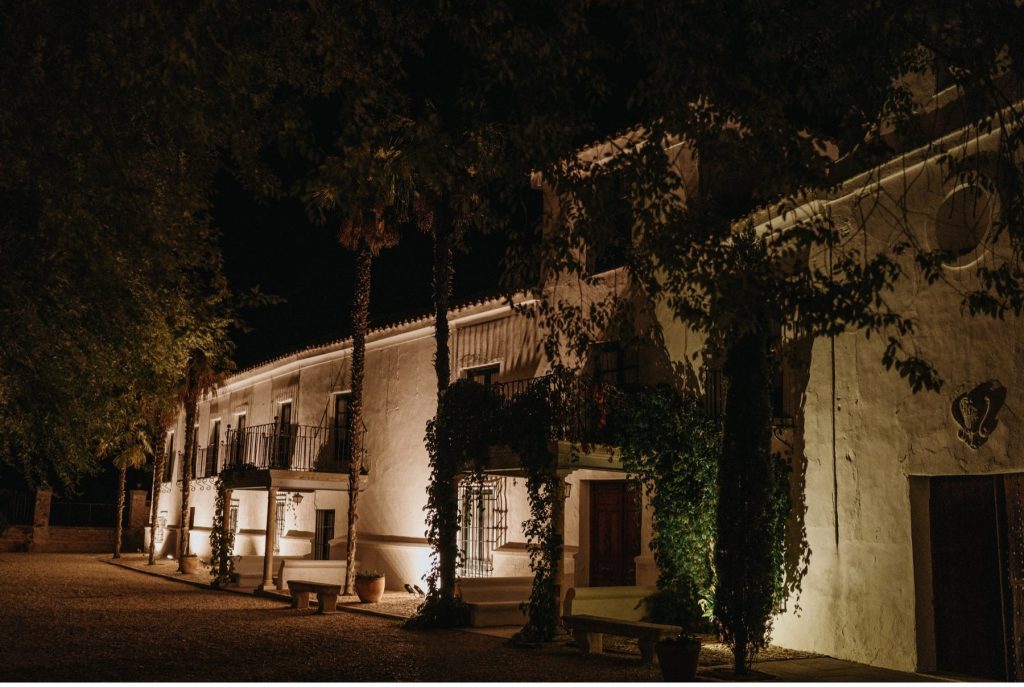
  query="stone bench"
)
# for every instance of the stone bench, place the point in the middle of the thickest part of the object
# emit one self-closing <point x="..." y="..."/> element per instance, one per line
<point x="328" y="572"/>
<point x="495" y="601"/>
<point x="326" y="595"/>
<point x="592" y="612"/>
<point x="589" y="632"/>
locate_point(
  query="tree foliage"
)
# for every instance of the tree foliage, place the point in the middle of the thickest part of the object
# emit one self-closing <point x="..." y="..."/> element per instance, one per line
<point x="109" y="260"/>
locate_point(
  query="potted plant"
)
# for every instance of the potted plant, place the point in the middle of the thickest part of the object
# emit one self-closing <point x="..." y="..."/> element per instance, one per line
<point x="189" y="564"/>
<point x="369" y="586"/>
<point x="678" y="658"/>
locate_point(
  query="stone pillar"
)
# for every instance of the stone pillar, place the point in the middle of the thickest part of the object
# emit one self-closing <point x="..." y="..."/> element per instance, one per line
<point x="138" y="517"/>
<point x="41" y="520"/>
<point x="558" y="516"/>
<point x="268" y="552"/>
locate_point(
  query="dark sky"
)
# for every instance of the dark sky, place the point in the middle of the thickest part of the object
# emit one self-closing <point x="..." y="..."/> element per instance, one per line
<point x="275" y="246"/>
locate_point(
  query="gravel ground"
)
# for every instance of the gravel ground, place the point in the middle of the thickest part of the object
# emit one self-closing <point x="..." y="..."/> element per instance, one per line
<point x="70" y="617"/>
<point x="73" y="617"/>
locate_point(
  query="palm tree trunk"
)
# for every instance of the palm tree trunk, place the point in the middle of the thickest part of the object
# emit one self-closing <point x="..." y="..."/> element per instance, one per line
<point x="448" y="549"/>
<point x="191" y="403"/>
<point x="444" y="272"/>
<point x="154" y="493"/>
<point x="119" y="531"/>
<point x="360" y="325"/>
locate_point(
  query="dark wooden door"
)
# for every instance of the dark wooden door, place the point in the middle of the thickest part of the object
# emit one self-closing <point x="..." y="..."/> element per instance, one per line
<point x="969" y="576"/>
<point x="323" y="535"/>
<point x="614" y="533"/>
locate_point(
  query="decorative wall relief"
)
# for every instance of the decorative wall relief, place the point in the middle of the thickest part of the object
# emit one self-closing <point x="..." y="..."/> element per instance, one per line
<point x="976" y="410"/>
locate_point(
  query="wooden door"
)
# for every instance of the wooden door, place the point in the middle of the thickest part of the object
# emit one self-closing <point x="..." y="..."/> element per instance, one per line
<point x="614" y="533"/>
<point x="323" y="535"/>
<point x="969" y="576"/>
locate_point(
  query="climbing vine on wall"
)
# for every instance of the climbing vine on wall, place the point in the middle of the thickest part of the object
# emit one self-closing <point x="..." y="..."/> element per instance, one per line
<point x="222" y="540"/>
<point x="671" y="448"/>
<point x="457" y="440"/>
<point x="527" y="424"/>
<point x="472" y="418"/>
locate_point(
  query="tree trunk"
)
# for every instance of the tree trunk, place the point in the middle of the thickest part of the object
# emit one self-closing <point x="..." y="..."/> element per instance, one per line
<point x="743" y="550"/>
<point x="122" y="477"/>
<point x="360" y="325"/>
<point x="443" y="273"/>
<point x="158" y="476"/>
<point x="191" y="403"/>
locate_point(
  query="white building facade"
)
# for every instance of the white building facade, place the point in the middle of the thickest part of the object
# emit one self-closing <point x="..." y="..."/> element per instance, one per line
<point x="910" y="506"/>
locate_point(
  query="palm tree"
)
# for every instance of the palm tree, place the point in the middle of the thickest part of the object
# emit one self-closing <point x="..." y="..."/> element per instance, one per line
<point x="158" y="421"/>
<point x="377" y="197"/>
<point x="200" y="379"/>
<point x="132" y="455"/>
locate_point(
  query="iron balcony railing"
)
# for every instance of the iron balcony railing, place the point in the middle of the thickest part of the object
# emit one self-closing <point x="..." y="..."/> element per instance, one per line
<point x="579" y="405"/>
<point x="784" y="401"/>
<point x="289" y="447"/>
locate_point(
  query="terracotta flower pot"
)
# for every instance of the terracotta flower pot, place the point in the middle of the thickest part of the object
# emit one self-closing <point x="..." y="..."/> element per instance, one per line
<point x="678" y="658"/>
<point x="189" y="564"/>
<point x="370" y="590"/>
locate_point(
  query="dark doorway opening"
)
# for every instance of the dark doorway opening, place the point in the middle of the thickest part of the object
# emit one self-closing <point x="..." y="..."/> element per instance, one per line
<point x="323" y="535"/>
<point x="614" y="533"/>
<point x="976" y="554"/>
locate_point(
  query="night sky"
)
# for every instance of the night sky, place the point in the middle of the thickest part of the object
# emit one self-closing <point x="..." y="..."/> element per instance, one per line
<point x="274" y="245"/>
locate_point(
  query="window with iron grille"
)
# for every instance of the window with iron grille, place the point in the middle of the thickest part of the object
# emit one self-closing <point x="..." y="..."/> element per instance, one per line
<point x="483" y="511"/>
<point x="279" y="521"/>
<point x="161" y="527"/>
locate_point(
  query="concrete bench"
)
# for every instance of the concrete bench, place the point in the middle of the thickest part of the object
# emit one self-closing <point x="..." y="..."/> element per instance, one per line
<point x="328" y="572"/>
<point x="326" y="595"/>
<point x="592" y="612"/>
<point x="495" y="601"/>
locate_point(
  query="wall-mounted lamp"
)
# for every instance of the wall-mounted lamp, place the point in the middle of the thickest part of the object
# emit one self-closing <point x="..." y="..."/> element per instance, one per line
<point x="297" y="498"/>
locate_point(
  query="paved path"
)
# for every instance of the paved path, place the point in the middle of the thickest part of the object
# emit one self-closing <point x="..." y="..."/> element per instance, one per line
<point x="74" y="617"/>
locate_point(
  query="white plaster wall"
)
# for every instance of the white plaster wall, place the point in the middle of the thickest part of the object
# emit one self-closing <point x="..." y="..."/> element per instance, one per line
<point x="858" y="599"/>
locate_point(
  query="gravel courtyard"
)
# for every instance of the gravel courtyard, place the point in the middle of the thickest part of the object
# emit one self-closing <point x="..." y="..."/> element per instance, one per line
<point x="74" y="617"/>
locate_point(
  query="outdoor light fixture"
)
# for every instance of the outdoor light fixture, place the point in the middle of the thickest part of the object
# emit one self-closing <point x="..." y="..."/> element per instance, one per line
<point x="297" y="498"/>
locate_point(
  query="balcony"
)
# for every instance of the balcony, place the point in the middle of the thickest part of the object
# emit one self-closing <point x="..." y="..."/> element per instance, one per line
<point x="299" y="448"/>
<point x="785" y="402"/>
<point x="578" y="405"/>
<point x="580" y="430"/>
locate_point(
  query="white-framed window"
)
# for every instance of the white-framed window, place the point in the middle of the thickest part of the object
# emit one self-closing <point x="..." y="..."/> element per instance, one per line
<point x="484" y="374"/>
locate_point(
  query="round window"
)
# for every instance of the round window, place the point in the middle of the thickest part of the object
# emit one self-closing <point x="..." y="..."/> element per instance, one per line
<point x="962" y="222"/>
